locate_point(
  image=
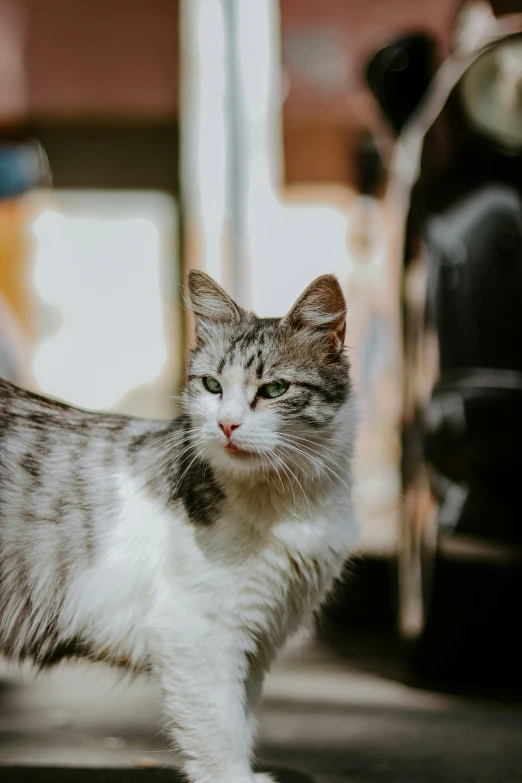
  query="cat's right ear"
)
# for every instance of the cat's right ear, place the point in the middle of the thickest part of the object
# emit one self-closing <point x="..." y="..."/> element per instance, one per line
<point x="209" y="303"/>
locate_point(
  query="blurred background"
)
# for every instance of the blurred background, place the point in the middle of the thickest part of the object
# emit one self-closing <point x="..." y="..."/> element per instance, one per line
<point x="267" y="142"/>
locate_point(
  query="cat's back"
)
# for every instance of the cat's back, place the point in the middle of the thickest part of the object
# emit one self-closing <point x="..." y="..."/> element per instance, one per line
<point x="60" y="490"/>
<point x="50" y="452"/>
<point x="54" y="452"/>
<point x="23" y="413"/>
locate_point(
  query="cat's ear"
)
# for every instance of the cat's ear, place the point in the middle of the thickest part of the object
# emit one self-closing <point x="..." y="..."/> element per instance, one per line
<point x="321" y="309"/>
<point x="209" y="302"/>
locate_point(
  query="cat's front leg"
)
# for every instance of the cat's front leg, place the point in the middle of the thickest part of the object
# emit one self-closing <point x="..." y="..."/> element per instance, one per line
<point x="203" y="682"/>
<point x="253" y="693"/>
<point x="258" y="666"/>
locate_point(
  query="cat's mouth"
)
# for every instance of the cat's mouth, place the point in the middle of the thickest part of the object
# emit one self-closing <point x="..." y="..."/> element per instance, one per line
<point x="237" y="451"/>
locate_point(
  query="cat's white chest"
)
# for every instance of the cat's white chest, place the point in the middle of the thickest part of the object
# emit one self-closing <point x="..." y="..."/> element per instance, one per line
<point x="159" y="570"/>
<point x="278" y="583"/>
<point x="252" y="577"/>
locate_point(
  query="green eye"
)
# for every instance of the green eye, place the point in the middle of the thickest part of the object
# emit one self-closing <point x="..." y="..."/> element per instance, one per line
<point x="212" y="385"/>
<point x="273" y="389"/>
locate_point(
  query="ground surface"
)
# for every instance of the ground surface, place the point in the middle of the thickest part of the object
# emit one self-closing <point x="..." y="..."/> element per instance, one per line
<point x="351" y="719"/>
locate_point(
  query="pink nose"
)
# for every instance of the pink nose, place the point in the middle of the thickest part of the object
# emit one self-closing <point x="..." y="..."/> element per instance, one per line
<point x="227" y="426"/>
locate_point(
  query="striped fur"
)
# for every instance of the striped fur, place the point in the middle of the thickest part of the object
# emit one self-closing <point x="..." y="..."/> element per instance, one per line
<point x="177" y="550"/>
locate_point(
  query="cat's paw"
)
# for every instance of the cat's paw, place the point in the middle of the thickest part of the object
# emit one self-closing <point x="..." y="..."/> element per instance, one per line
<point x="264" y="777"/>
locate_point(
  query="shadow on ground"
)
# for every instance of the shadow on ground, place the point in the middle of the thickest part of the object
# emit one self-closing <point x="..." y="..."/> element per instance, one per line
<point x="347" y="713"/>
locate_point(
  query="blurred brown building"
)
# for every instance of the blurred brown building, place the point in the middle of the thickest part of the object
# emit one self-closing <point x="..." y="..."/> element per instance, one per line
<point x="98" y="82"/>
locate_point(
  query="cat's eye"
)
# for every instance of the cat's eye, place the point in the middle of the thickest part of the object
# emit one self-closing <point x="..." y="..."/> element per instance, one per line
<point x="212" y="385"/>
<point x="273" y="389"/>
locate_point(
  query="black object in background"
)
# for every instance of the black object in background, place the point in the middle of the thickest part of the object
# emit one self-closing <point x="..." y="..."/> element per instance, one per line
<point x="400" y="74"/>
<point x="369" y="165"/>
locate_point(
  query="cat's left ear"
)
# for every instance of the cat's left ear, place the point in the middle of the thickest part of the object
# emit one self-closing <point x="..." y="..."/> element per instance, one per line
<point x="208" y="300"/>
<point x="321" y="308"/>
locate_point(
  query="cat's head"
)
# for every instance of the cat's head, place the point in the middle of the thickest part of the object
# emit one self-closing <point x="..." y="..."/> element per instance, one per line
<point x="268" y="393"/>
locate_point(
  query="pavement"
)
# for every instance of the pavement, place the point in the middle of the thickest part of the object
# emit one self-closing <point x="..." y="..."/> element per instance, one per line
<point x="350" y="715"/>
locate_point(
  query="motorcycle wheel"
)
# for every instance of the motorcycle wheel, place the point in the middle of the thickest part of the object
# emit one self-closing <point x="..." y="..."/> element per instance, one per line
<point x="459" y="597"/>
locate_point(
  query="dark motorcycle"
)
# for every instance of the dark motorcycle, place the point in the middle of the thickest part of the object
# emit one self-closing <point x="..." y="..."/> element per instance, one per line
<point x="456" y="189"/>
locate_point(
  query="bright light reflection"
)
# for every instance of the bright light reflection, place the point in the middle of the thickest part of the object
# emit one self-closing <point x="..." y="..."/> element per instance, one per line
<point x="102" y="278"/>
<point x="291" y="244"/>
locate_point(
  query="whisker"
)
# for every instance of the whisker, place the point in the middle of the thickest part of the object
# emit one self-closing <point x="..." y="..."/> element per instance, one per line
<point x="324" y="464"/>
<point x="171" y="437"/>
<point x="328" y="467"/>
<point x="172" y="455"/>
<point x="306" y="454"/>
<point x="178" y="483"/>
<point x="314" y="443"/>
<point x="281" y="463"/>
<point x="176" y="461"/>
<point x="300" y="486"/>
<point x="276" y="472"/>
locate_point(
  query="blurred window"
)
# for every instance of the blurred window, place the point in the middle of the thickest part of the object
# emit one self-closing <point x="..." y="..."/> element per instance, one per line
<point x="106" y="275"/>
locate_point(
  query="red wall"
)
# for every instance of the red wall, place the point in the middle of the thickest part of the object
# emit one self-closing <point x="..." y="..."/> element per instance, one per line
<point x="101" y="58"/>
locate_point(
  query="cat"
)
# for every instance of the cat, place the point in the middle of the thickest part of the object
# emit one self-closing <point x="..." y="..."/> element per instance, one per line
<point x="189" y="549"/>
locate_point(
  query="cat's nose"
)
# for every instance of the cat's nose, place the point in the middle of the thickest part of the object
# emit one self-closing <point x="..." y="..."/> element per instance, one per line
<point x="228" y="426"/>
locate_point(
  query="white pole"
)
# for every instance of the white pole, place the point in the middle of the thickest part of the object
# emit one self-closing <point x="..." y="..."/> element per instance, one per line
<point x="231" y="134"/>
<point x="203" y="108"/>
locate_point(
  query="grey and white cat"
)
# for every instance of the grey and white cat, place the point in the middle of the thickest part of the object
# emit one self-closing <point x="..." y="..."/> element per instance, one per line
<point x="190" y="548"/>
